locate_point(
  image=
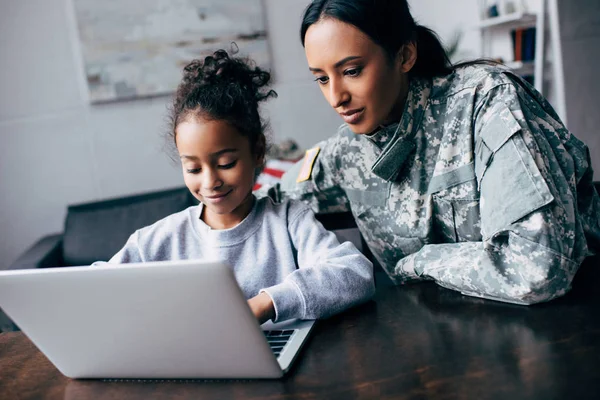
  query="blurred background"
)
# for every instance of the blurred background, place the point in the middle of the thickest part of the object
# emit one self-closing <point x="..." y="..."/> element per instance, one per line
<point x="66" y="136"/>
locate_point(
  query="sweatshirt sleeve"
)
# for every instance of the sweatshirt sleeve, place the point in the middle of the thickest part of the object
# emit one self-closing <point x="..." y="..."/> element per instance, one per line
<point x="330" y="278"/>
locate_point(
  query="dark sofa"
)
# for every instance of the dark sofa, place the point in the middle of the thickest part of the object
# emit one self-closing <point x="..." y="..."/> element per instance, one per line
<point x="96" y="231"/>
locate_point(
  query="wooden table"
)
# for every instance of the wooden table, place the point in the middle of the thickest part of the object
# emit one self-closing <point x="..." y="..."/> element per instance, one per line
<point x="413" y="342"/>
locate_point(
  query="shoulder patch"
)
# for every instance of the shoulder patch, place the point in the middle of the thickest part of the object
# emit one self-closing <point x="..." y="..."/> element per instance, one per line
<point x="307" y="164"/>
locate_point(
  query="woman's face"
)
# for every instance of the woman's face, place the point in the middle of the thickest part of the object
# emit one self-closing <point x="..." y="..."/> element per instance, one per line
<point x="355" y="74"/>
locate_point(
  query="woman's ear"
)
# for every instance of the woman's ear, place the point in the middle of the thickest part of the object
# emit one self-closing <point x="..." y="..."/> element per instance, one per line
<point x="407" y="56"/>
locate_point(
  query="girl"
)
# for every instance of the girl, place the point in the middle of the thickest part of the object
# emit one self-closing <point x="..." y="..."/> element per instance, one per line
<point x="285" y="262"/>
<point x="461" y="174"/>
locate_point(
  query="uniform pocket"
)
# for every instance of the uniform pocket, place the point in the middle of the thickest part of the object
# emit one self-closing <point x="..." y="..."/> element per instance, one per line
<point x="511" y="185"/>
<point x="361" y="201"/>
<point x="494" y="134"/>
<point x="456" y="220"/>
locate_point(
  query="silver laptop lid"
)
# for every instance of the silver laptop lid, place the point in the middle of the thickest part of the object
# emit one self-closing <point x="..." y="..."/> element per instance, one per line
<point x="176" y="319"/>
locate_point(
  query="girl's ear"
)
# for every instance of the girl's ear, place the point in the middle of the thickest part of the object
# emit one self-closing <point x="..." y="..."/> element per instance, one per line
<point x="407" y="57"/>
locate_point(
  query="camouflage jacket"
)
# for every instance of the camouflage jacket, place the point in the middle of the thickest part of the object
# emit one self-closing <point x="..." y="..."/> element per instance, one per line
<point x="479" y="187"/>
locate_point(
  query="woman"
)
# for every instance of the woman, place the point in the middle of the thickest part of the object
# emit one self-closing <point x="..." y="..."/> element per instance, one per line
<point x="459" y="174"/>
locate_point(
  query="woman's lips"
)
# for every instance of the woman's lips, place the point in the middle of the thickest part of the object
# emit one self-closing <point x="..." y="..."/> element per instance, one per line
<point x="353" y="116"/>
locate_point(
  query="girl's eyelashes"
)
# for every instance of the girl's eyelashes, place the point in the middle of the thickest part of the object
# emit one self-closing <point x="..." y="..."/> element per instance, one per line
<point x="228" y="166"/>
<point x="219" y="166"/>
<point x="321" y="80"/>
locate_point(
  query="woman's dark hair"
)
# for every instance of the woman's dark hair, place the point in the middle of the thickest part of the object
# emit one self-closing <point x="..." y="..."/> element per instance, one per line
<point x="388" y="23"/>
<point x="222" y="88"/>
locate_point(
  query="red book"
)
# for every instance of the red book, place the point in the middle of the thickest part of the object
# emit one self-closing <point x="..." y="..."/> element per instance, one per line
<point x="519" y="44"/>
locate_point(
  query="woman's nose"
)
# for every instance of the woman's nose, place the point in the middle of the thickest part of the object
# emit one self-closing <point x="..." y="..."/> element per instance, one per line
<point x="338" y="94"/>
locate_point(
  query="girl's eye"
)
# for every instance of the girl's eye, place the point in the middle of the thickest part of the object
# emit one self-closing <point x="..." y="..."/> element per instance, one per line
<point x="322" y="80"/>
<point x="193" y="171"/>
<point x="228" y="166"/>
<point x="352" y="72"/>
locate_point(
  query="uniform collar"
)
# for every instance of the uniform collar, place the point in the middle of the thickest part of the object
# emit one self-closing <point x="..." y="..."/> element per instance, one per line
<point x="396" y="141"/>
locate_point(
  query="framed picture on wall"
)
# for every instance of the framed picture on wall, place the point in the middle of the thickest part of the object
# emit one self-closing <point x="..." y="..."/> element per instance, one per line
<point x="138" y="48"/>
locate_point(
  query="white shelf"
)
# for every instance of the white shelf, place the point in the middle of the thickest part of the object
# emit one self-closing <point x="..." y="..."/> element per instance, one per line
<point x="513" y="20"/>
<point x="499" y="28"/>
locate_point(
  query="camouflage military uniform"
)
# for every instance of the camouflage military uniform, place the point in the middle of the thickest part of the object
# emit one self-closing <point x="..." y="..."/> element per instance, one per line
<point x="479" y="187"/>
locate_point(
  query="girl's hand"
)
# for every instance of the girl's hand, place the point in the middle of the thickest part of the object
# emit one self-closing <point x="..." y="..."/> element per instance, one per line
<point x="262" y="307"/>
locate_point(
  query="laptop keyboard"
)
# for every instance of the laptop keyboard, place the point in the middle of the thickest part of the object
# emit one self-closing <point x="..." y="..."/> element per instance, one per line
<point x="278" y="339"/>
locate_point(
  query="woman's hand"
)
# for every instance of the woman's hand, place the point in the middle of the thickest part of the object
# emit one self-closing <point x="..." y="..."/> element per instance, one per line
<point x="262" y="307"/>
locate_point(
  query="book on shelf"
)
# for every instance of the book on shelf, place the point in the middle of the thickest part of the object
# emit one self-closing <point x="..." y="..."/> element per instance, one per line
<point x="523" y="41"/>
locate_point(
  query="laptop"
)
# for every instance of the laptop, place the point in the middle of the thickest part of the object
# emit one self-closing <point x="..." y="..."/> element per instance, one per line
<point x="159" y="320"/>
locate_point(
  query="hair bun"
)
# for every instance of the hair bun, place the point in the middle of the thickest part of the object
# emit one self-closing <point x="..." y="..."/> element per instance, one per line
<point x="223" y="88"/>
<point x="221" y="69"/>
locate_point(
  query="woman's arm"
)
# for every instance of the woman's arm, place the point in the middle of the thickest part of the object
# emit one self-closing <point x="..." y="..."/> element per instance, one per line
<point x="535" y="202"/>
<point x="330" y="278"/>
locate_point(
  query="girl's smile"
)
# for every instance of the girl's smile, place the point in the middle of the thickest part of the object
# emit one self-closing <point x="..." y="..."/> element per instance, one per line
<point x="216" y="198"/>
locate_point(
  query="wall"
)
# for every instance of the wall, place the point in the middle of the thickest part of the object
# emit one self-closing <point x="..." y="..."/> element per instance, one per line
<point x="448" y="17"/>
<point x="580" y="40"/>
<point x="57" y="150"/>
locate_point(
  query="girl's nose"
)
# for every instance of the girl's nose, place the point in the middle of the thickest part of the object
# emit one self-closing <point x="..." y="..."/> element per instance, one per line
<point x="211" y="179"/>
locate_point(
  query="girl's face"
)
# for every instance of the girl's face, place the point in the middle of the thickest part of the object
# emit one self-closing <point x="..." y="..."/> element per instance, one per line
<point x="356" y="76"/>
<point x="218" y="168"/>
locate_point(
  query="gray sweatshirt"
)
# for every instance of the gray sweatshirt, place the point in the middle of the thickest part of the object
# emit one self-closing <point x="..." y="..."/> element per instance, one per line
<point x="279" y="248"/>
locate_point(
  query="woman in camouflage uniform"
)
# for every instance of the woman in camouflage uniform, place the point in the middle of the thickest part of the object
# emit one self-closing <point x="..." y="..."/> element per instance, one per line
<point x="461" y="174"/>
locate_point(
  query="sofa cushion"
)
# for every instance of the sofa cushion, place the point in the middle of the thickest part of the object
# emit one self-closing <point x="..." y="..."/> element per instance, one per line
<point x="96" y="231"/>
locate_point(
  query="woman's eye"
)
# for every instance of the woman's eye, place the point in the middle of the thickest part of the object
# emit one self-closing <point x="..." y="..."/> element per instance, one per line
<point x="353" y="72"/>
<point x="227" y="166"/>
<point x="322" y="80"/>
<point x="193" y="170"/>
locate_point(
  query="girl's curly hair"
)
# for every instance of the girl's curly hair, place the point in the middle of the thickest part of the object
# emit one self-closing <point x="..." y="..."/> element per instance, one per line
<point x="222" y="88"/>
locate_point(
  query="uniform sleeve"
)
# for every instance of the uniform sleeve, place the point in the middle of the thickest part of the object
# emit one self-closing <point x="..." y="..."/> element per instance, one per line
<point x="321" y="191"/>
<point x="130" y="253"/>
<point x="529" y="169"/>
<point x="330" y="278"/>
